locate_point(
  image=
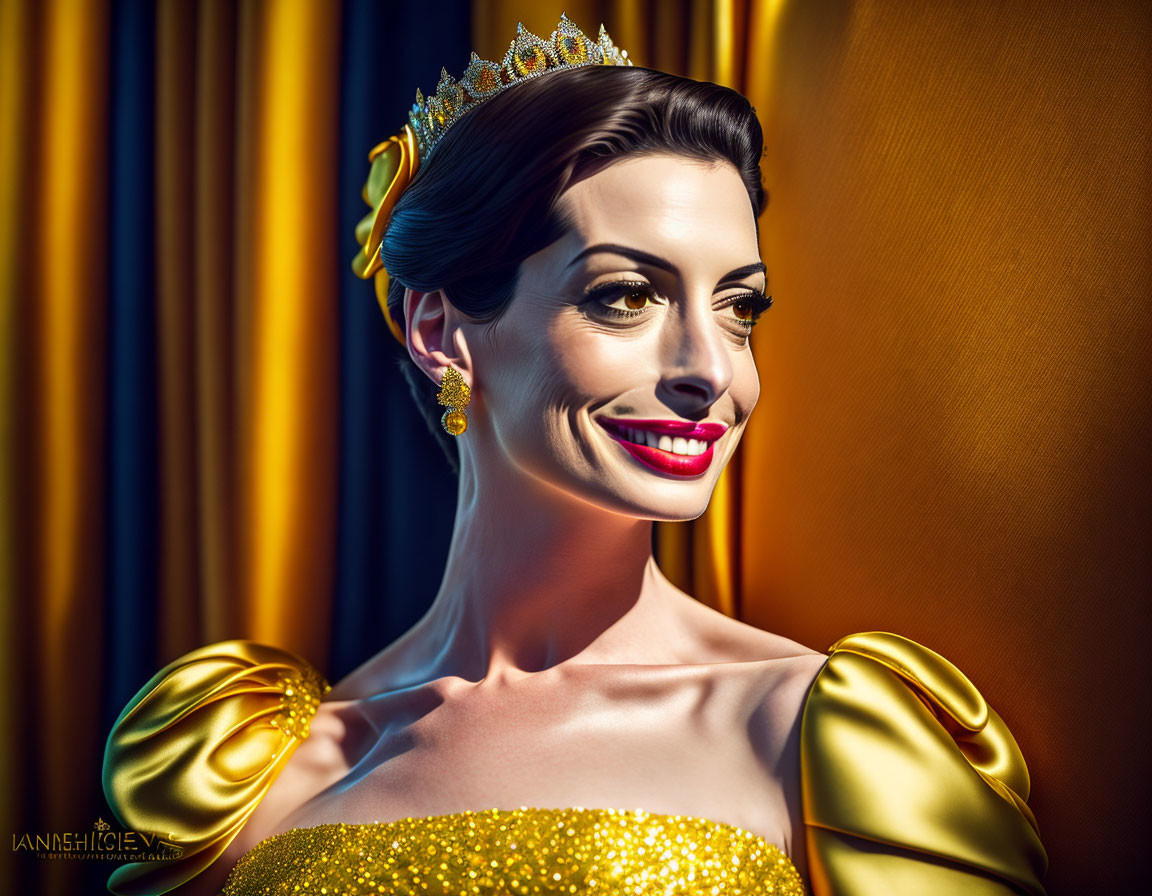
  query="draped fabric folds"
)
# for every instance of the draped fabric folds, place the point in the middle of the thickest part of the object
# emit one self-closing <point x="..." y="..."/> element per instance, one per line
<point x="912" y="783"/>
<point x="198" y="747"/>
<point x="54" y="268"/>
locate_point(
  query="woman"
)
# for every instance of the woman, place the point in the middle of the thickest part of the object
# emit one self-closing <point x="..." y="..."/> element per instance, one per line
<point x="572" y="258"/>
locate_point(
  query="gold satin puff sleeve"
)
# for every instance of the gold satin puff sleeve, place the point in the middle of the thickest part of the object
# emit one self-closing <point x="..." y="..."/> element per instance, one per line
<point x="911" y="782"/>
<point x="198" y="747"/>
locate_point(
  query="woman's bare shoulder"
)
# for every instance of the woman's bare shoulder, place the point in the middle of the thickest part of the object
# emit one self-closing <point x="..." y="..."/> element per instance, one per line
<point x="768" y="677"/>
<point x="778" y="670"/>
<point x="771" y="674"/>
<point x="339" y="737"/>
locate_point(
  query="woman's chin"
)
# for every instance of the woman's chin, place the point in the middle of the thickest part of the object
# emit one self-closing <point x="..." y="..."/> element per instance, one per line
<point x="666" y="489"/>
<point x="657" y="497"/>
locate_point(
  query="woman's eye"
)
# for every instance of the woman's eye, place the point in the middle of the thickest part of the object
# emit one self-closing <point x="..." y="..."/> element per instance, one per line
<point x="623" y="298"/>
<point x="748" y="307"/>
<point x="633" y="300"/>
<point x="742" y="309"/>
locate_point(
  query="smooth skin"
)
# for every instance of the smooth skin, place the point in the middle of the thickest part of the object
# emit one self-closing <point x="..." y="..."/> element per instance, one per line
<point x="557" y="666"/>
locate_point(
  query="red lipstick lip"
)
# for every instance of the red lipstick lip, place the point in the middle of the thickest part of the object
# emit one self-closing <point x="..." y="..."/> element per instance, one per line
<point x="708" y="432"/>
<point x="667" y="461"/>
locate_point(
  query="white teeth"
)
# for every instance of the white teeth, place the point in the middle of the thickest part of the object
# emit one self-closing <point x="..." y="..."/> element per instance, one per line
<point x="677" y="445"/>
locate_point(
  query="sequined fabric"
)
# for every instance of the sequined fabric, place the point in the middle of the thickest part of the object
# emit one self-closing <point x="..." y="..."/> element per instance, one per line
<point x="300" y="693"/>
<point x="519" y="851"/>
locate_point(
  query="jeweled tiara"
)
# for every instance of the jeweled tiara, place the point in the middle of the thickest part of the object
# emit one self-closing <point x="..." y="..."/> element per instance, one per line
<point x="528" y="57"/>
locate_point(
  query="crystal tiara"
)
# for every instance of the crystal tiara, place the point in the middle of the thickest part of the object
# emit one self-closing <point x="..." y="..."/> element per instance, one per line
<point x="528" y="57"/>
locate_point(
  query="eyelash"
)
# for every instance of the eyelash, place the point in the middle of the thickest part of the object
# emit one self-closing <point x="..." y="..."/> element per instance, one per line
<point x="759" y="301"/>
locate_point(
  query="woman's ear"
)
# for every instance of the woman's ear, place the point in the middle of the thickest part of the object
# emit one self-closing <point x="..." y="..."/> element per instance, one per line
<point x="436" y="338"/>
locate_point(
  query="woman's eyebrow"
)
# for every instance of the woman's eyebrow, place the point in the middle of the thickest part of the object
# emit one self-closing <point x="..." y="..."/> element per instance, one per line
<point x="746" y="271"/>
<point x="628" y="252"/>
<point x="656" y="261"/>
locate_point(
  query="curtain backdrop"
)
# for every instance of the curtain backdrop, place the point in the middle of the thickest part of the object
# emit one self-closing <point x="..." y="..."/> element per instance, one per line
<point x="205" y="436"/>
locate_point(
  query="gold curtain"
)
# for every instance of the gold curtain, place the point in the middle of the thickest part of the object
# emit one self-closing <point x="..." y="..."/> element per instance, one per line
<point x="53" y="155"/>
<point x="246" y="201"/>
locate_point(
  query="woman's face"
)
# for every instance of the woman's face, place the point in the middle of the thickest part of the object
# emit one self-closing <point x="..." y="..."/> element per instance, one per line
<point x="621" y="373"/>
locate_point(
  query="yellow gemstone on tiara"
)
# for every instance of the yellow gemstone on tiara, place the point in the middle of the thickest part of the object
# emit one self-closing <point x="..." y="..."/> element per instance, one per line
<point x="488" y="80"/>
<point x="528" y="55"/>
<point x="531" y="60"/>
<point x="481" y="79"/>
<point x="572" y="50"/>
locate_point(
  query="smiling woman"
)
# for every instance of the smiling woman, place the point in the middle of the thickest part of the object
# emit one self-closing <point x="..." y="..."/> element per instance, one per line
<point x="518" y="176"/>
<point x="627" y="331"/>
<point x="567" y="247"/>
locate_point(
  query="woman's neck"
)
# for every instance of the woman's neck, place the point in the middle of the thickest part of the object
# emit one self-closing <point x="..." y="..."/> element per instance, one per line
<point x="536" y="577"/>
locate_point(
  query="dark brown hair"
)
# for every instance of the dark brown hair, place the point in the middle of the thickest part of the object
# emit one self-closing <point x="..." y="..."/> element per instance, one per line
<point x="486" y="198"/>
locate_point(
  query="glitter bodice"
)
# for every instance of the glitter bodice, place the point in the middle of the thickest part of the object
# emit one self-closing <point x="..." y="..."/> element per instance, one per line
<point x="519" y="851"/>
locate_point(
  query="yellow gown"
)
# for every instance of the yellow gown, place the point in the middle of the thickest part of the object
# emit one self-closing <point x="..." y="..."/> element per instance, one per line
<point x="911" y="785"/>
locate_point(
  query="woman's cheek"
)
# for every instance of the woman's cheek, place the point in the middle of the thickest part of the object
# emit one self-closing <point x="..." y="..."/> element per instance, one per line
<point x="604" y="365"/>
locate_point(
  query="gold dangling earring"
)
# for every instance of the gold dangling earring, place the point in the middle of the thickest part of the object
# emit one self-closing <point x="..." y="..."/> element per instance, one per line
<point x="454" y="394"/>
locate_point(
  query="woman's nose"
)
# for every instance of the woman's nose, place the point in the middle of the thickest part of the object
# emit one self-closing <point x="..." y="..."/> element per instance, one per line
<point x="698" y="365"/>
